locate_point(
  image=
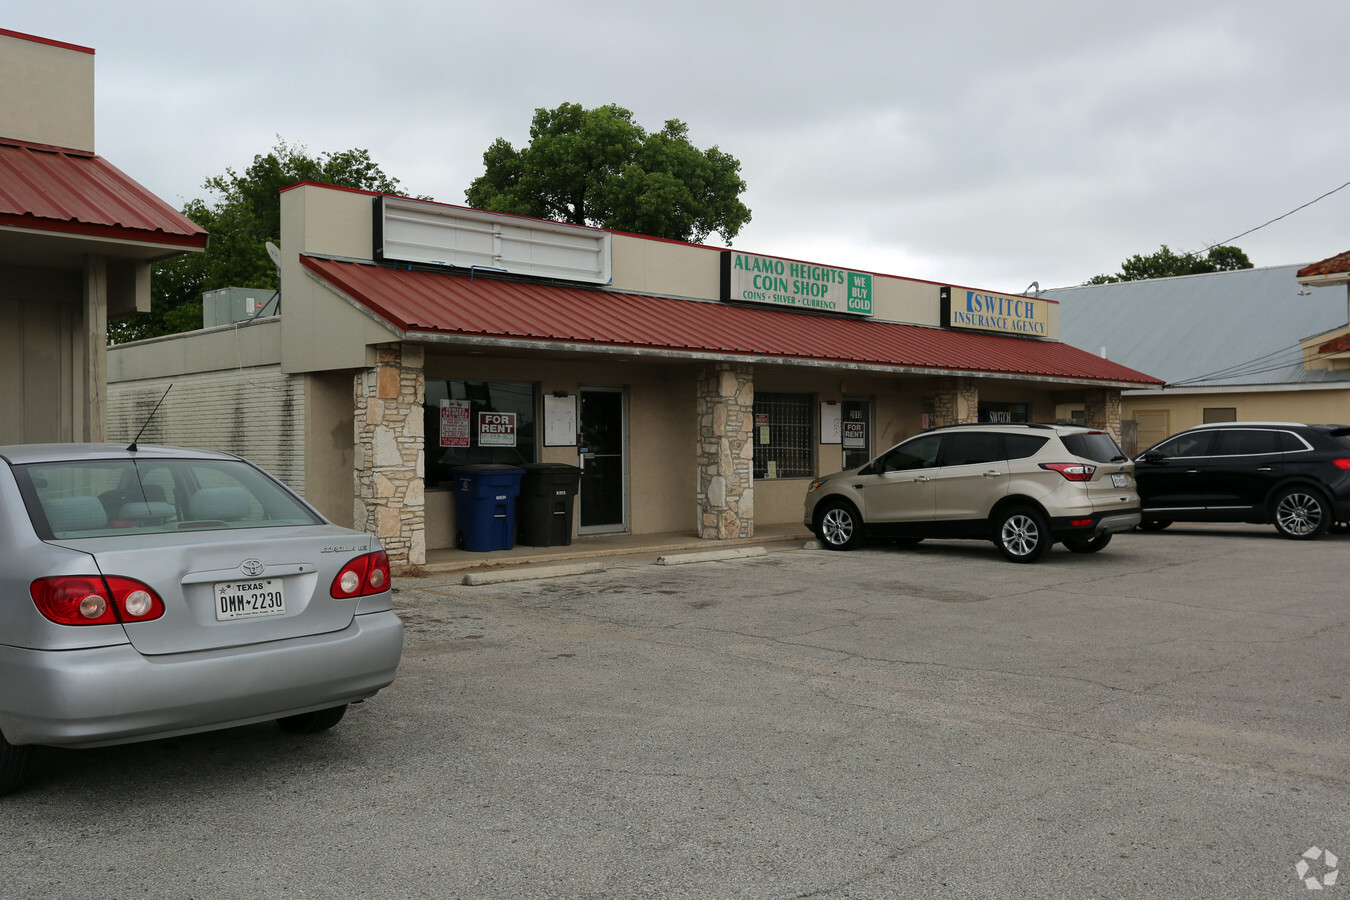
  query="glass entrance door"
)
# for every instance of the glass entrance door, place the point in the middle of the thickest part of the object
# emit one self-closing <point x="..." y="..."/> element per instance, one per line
<point x="603" y="496"/>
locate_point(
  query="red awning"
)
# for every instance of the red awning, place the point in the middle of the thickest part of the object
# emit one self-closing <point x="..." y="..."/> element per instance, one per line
<point x="432" y="303"/>
<point x="70" y="191"/>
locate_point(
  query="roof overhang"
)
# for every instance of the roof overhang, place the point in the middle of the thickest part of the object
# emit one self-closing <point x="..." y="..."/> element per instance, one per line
<point x="59" y="205"/>
<point x="495" y="315"/>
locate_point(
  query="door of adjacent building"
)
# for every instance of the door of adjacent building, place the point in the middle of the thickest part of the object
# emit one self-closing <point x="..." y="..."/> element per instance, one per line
<point x="603" y="498"/>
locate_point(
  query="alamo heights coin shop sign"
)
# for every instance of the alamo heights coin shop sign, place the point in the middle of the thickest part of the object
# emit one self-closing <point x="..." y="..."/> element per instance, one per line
<point x="783" y="282"/>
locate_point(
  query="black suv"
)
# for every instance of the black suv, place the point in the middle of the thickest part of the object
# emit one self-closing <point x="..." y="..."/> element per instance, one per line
<point x="1296" y="477"/>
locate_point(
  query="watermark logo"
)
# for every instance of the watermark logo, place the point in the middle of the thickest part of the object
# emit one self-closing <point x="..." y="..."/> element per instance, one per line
<point x="1317" y="869"/>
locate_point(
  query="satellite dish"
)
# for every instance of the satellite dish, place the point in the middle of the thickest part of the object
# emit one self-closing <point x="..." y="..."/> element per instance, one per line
<point x="275" y="252"/>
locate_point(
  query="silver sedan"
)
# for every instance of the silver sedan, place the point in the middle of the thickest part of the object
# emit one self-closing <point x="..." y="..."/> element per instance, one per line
<point x="157" y="591"/>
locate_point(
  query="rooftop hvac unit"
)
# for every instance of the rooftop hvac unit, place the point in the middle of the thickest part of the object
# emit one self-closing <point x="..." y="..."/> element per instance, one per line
<point x="228" y="305"/>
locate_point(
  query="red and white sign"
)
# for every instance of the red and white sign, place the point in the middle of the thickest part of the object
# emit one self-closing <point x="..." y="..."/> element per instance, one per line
<point x="496" y="429"/>
<point x="454" y="423"/>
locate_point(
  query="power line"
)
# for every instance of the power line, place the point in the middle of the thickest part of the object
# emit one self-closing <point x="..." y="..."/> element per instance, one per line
<point x="1272" y="221"/>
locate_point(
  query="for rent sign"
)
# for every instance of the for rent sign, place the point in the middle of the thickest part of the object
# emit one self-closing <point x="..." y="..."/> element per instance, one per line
<point x="783" y="282"/>
<point x="496" y="429"/>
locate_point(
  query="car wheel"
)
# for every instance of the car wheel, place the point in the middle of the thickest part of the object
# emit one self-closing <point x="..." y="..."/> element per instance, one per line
<point x="1300" y="513"/>
<point x="13" y="765"/>
<point x="838" y="525"/>
<point x="1153" y="524"/>
<point x="1021" y="534"/>
<point x="313" y="722"/>
<point x="1088" y="544"/>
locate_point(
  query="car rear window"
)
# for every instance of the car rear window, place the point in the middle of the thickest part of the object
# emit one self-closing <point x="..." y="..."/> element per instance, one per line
<point x="116" y="497"/>
<point x="1097" y="446"/>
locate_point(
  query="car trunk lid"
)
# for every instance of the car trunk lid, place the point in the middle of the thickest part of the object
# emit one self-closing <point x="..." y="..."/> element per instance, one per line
<point x="233" y="588"/>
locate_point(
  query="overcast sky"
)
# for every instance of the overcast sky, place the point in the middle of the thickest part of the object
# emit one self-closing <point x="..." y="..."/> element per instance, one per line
<point x="983" y="144"/>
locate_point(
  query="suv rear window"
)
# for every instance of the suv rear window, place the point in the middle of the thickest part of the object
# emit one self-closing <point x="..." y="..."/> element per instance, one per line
<point x="1097" y="446"/>
<point x="115" y="497"/>
<point x="1020" y="446"/>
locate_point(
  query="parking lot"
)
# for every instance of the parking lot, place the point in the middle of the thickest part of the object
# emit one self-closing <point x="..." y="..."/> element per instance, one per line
<point x="1164" y="719"/>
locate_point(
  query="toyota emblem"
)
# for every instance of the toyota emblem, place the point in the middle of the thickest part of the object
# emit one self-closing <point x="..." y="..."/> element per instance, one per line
<point x="251" y="567"/>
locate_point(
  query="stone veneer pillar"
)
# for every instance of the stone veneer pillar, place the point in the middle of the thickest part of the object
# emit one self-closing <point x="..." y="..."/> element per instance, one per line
<point x="390" y="454"/>
<point x="956" y="402"/>
<point x="726" y="450"/>
<point x="1101" y="409"/>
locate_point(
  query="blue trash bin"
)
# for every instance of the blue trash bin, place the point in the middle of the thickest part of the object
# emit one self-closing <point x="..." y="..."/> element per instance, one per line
<point x="485" y="506"/>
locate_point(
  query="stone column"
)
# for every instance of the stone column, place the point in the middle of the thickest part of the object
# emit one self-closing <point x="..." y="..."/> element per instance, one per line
<point x="956" y="401"/>
<point x="390" y="454"/>
<point x="726" y="451"/>
<point x="1101" y="409"/>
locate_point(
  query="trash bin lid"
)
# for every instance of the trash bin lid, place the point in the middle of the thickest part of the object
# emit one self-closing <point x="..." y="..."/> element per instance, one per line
<point x="487" y="469"/>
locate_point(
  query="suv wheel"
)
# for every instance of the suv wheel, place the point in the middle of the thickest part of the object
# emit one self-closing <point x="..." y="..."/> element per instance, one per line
<point x="1088" y="544"/>
<point x="1021" y="534"/>
<point x="839" y="526"/>
<point x="1300" y="513"/>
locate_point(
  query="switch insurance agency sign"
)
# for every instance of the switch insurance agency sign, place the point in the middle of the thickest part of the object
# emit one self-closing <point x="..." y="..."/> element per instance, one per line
<point x="784" y="282"/>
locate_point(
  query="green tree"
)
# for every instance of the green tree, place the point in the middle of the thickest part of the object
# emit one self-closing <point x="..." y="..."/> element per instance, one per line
<point x="1165" y="263"/>
<point x="598" y="167"/>
<point x="243" y="215"/>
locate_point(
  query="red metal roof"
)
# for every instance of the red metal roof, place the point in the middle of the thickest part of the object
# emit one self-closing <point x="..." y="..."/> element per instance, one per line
<point x="57" y="189"/>
<point x="431" y="302"/>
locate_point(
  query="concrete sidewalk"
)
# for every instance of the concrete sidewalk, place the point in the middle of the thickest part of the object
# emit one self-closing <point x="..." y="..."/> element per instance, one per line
<point x="609" y="547"/>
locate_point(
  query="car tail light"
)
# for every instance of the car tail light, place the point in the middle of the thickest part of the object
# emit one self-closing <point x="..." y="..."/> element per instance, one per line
<point x="92" y="600"/>
<point x="368" y="574"/>
<point x="1072" y="471"/>
<point x="1343" y="464"/>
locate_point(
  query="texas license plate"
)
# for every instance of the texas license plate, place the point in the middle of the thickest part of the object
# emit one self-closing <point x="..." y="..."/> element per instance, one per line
<point x="249" y="599"/>
<point x="1118" y="481"/>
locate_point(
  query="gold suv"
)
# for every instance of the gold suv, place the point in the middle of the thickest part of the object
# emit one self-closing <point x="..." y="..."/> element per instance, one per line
<point x="1024" y="487"/>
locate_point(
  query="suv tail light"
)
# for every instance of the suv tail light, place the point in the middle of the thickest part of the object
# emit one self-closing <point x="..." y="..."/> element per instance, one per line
<point x="1343" y="464"/>
<point x="367" y="574"/>
<point x="95" y="600"/>
<point x="1072" y="471"/>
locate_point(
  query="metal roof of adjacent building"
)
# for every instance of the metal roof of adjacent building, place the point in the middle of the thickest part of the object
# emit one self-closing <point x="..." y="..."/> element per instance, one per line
<point x="70" y="191"/>
<point x="434" y="305"/>
<point x="1224" y="328"/>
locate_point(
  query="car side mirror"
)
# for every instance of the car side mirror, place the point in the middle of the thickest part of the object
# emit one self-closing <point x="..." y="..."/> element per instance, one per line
<point x="1153" y="456"/>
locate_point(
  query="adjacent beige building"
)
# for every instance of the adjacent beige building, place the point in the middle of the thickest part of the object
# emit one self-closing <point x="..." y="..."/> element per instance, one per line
<point x="77" y="238"/>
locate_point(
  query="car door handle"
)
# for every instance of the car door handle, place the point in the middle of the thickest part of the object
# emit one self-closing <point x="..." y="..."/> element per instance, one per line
<point x="1192" y="471"/>
<point x="992" y="473"/>
<point x="920" y="479"/>
<point x="1264" y="469"/>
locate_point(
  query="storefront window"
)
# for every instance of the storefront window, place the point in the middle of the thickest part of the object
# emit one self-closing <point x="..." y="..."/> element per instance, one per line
<point x="1005" y="413"/>
<point x="784" y="436"/>
<point x="471" y="422"/>
<point x="857" y="433"/>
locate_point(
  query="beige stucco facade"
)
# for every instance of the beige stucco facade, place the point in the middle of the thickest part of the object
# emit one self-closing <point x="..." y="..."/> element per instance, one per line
<point x="687" y="433"/>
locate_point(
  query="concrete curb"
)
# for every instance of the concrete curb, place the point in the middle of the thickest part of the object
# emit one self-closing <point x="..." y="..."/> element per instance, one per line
<point x="527" y="574"/>
<point x="710" y="555"/>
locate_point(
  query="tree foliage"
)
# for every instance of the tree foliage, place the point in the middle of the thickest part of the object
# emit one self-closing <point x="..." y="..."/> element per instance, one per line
<point x="243" y="215"/>
<point x="598" y="167"/>
<point x="1165" y="263"/>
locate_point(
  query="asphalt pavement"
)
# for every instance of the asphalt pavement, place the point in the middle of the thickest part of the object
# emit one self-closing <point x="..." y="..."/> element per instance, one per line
<point x="1165" y="719"/>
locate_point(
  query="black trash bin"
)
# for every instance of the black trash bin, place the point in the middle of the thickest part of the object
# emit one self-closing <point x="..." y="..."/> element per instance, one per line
<point x="545" y="506"/>
<point x="485" y="506"/>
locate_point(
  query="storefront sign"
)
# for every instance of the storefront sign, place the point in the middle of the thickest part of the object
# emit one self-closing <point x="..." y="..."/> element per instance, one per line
<point x="982" y="311"/>
<point x="783" y="282"/>
<point x="454" y="423"/>
<point x="496" y="429"/>
<point x="855" y="435"/>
